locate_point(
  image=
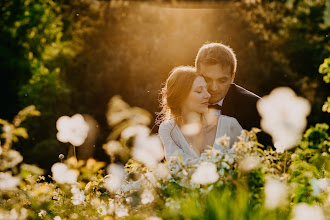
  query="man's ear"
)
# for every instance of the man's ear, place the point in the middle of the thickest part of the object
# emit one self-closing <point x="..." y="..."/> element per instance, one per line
<point x="232" y="78"/>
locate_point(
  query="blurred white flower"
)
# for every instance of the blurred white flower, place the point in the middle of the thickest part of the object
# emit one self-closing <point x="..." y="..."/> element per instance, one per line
<point x="303" y="211"/>
<point x="113" y="147"/>
<point x="153" y="218"/>
<point x="147" y="197"/>
<point x="42" y="213"/>
<point x="12" y="158"/>
<point x="121" y="211"/>
<point x="118" y="110"/>
<point x="78" y="196"/>
<point x="283" y="116"/>
<point x="161" y="172"/>
<point x="319" y="185"/>
<point x="137" y="130"/>
<point x="102" y="210"/>
<point x="206" y="173"/>
<point x="73" y="130"/>
<point x="62" y="174"/>
<point x="57" y="218"/>
<point x="275" y="193"/>
<point x="148" y="150"/>
<point x="7" y="181"/>
<point x="249" y="163"/>
<point x="115" y="178"/>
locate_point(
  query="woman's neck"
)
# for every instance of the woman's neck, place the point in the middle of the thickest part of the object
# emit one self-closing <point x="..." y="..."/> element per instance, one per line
<point x="191" y="118"/>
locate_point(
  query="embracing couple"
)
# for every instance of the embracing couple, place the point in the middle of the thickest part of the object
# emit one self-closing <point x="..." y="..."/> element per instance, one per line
<point x="202" y="103"/>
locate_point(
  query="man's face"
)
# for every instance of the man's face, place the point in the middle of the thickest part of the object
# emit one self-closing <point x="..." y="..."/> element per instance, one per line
<point x="218" y="80"/>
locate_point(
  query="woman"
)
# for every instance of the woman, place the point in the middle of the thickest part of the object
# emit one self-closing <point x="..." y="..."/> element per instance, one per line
<point x="187" y="128"/>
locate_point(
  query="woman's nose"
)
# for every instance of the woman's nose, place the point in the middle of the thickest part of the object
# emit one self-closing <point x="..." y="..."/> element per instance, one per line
<point x="207" y="94"/>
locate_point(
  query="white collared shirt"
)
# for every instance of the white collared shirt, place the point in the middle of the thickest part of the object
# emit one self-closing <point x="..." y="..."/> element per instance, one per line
<point x="215" y="111"/>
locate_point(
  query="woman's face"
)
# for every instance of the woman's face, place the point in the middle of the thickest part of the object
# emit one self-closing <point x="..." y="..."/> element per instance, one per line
<point x="198" y="98"/>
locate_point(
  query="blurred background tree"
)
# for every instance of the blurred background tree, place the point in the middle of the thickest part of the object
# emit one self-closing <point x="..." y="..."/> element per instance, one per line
<point x="70" y="57"/>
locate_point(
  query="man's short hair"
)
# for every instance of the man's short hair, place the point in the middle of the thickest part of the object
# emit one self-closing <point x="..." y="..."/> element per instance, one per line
<point x="216" y="53"/>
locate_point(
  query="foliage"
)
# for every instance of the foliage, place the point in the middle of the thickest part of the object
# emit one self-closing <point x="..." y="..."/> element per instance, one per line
<point x="298" y="33"/>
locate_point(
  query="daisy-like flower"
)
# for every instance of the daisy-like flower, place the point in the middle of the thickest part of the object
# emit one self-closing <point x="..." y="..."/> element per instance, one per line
<point x="62" y="174"/>
<point x="284" y="117"/>
<point x="115" y="178"/>
<point x="7" y="181"/>
<point x="249" y="163"/>
<point x="73" y="130"/>
<point x="147" y="196"/>
<point x="137" y="130"/>
<point x="303" y="211"/>
<point x="78" y="196"/>
<point x="148" y="150"/>
<point x="276" y="193"/>
<point x="121" y="211"/>
<point x="206" y="173"/>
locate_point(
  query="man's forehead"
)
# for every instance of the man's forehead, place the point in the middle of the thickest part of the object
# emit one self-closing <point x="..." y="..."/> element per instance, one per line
<point x="215" y="70"/>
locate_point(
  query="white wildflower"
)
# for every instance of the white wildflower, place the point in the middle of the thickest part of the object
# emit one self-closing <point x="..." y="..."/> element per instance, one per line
<point x="62" y="174"/>
<point x="113" y="147"/>
<point x="57" y="218"/>
<point x="284" y="116"/>
<point x="121" y="211"/>
<point x="249" y="163"/>
<point x="319" y="185"/>
<point x="161" y="172"/>
<point x="73" y="130"/>
<point x="206" y="173"/>
<point x="115" y="178"/>
<point x="224" y="141"/>
<point x="7" y="181"/>
<point x="137" y="130"/>
<point x="147" y="196"/>
<point x="303" y="211"/>
<point x="275" y="192"/>
<point x="148" y="150"/>
<point x="154" y="218"/>
<point x="102" y="210"/>
<point x="42" y="213"/>
<point x="78" y="196"/>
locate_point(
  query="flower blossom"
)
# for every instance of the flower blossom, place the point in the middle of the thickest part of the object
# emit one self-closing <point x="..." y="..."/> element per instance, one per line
<point x="7" y="181"/>
<point x="206" y="173"/>
<point x="275" y="192"/>
<point x="283" y="117"/>
<point x="148" y="150"/>
<point x="115" y="178"/>
<point x="303" y="211"/>
<point x="78" y="196"/>
<point x="147" y="196"/>
<point x="62" y="174"/>
<point x="73" y="130"/>
<point x="136" y="130"/>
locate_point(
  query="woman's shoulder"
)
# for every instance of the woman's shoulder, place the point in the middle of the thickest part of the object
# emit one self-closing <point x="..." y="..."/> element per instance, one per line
<point x="168" y="124"/>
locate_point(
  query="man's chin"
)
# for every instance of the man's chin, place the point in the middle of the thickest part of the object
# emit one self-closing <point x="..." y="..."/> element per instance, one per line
<point x="214" y="100"/>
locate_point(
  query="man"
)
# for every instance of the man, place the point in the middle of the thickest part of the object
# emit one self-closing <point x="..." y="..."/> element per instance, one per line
<point x="217" y="63"/>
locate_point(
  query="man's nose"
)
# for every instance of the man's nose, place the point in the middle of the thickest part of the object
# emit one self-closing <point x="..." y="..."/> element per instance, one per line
<point x="213" y="86"/>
